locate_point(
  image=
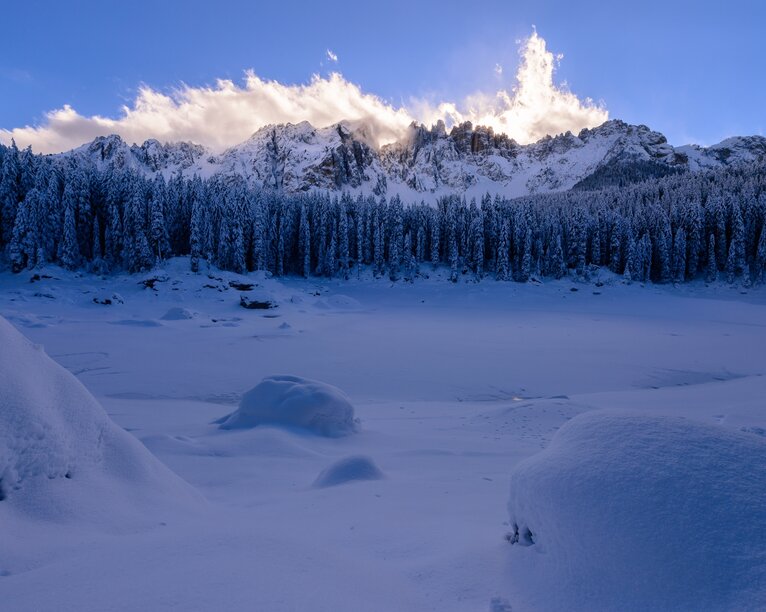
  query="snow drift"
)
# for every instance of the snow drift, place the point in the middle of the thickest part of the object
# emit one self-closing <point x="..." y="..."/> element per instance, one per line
<point x="623" y="511"/>
<point x="348" y="469"/>
<point x="61" y="457"/>
<point x="294" y="402"/>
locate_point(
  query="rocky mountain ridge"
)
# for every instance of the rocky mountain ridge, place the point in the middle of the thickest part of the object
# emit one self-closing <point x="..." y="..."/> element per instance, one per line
<point x="428" y="162"/>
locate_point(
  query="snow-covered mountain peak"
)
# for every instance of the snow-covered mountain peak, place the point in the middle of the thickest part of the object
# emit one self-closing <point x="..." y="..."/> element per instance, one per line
<point x="151" y="156"/>
<point x="428" y="161"/>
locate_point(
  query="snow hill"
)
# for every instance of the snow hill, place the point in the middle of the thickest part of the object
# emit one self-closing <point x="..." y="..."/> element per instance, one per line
<point x="466" y="160"/>
<point x="61" y="457"/>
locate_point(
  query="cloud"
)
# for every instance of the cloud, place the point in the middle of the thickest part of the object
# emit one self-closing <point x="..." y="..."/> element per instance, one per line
<point x="333" y="57"/>
<point x="498" y="70"/>
<point x="226" y="114"/>
<point x="534" y="108"/>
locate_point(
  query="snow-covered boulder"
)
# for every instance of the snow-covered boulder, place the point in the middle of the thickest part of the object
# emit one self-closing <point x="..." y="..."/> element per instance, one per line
<point x="348" y="469"/>
<point x="294" y="402"/>
<point x="61" y="457"/>
<point x="108" y="299"/>
<point x="177" y="313"/>
<point x="257" y="301"/>
<point x="627" y="512"/>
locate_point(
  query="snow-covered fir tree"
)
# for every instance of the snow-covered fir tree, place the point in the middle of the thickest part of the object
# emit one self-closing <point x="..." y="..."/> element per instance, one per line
<point x="677" y="228"/>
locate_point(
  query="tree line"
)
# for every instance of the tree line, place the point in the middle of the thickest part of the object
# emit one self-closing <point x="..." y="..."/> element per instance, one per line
<point x="69" y="211"/>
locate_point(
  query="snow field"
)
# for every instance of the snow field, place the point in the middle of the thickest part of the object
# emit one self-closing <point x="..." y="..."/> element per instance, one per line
<point x="456" y="386"/>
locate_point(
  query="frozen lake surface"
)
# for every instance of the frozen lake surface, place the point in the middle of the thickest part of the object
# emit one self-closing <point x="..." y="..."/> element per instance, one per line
<point x="452" y="385"/>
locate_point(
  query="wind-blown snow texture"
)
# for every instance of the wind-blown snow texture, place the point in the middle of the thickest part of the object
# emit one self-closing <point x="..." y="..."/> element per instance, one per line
<point x="628" y="511"/>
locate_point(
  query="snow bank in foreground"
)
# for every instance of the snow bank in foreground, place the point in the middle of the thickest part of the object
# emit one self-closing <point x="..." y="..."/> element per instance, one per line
<point x="60" y="454"/>
<point x="623" y="511"/>
<point x="348" y="469"/>
<point x="295" y="402"/>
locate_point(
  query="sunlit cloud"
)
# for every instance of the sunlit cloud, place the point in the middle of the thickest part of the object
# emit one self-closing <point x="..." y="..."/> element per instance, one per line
<point x="227" y="113"/>
<point x="534" y="108"/>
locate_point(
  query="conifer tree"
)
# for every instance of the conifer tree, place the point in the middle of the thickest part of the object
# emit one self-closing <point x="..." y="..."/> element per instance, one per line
<point x="663" y="254"/>
<point x="477" y="244"/>
<point x="679" y="256"/>
<point x="615" y="244"/>
<point x="158" y="231"/>
<point x="760" y="256"/>
<point x="711" y="271"/>
<point x="526" y="261"/>
<point x="98" y="252"/>
<point x="558" y="265"/>
<point x="503" y="267"/>
<point x="435" y="231"/>
<point x="735" y="261"/>
<point x="379" y="255"/>
<point x="11" y="192"/>
<point x="195" y="236"/>
<point x="305" y="242"/>
<point x="23" y="246"/>
<point x="343" y="244"/>
<point x="631" y="261"/>
<point x="70" y="252"/>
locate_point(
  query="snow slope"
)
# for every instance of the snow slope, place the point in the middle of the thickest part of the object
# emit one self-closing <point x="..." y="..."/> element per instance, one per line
<point x="61" y="458"/>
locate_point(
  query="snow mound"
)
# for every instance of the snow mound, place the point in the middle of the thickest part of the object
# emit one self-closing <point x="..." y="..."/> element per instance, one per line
<point x="61" y="457"/>
<point x="294" y="402"/>
<point x="343" y="302"/>
<point x="348" y="469"/>
<point x="177" y="314"/>
<point x="625" y="511"/>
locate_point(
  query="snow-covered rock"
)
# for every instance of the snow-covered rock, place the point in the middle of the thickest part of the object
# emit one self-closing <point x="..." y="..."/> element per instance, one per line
<point x="151" y="156"/>
<point x="257" y="300"/>
<point x="348" y="469"/>
<point x="731" y="150"/>
<point x="625" y="511"/>
<point x="61" y="457"/>
<point x="293" y="401"/>
<point x="108" y="299"/>
<point x="299" y="157"/>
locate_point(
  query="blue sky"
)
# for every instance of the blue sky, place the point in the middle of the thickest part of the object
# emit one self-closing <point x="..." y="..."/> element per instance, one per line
<point x="693" y="70"/>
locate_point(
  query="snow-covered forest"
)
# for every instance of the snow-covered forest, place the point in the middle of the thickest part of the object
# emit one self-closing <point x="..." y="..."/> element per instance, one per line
<point x="677" y="228"/>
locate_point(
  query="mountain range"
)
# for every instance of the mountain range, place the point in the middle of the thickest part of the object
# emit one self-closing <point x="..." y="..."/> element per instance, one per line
<point x="428" y="162"/>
